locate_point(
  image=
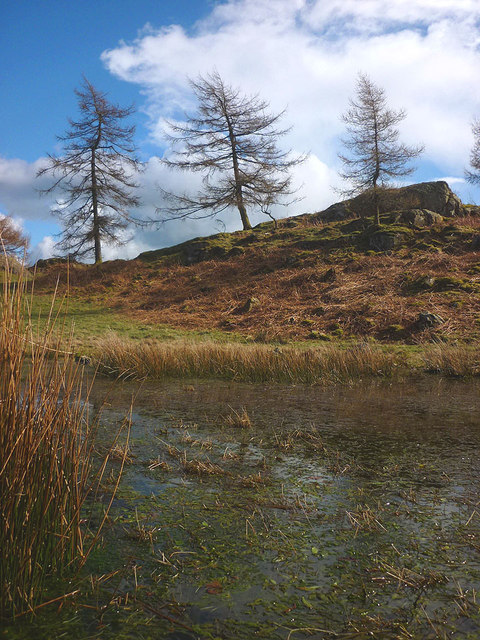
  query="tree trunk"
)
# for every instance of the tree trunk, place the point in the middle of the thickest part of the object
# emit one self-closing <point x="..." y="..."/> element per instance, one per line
<point x="96" y="222"/>
<point x="376" y="202"/>
<point x="236" y="174"/>
<point x="377" y="171"/>
<point x="243" y="212"/>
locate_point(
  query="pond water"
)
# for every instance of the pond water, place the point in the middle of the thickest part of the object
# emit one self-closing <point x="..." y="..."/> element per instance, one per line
<point x="287" y="512"/>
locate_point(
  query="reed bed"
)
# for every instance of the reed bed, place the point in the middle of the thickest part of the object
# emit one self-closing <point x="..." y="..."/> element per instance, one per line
<point x="46" y="461"/>
<point x="244" y="362"/>
<point x="456" y="361"/>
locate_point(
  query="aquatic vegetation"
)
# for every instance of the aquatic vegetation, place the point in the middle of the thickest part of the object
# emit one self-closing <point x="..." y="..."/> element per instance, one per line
<point x="239" y="419"/>
<point x="245" y="362"/>
<point x="334" y="515"/>
<point x="47" y="473"/>
<point x="453" y="360"/>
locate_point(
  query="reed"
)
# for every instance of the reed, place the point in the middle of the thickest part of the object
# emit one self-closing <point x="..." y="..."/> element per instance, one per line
<point x="46" y="459"/>
<point x="456" y="361"/>
<point x="243" y="362"/>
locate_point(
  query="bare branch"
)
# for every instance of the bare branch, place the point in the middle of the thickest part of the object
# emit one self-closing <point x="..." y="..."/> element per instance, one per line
<point x="232" y="140"/>
<point x="96" y="175"/>
<point x="374" y="154"/>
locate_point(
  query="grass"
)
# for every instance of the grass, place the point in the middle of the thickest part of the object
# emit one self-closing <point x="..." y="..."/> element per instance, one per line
<point x="47" y="472"/>
<point x="244" y="362"/>
<point x="125" y="346"/>
<point x="456" y="361"/>
<point x="311" y="281"/>
<point x="92" y="321"/>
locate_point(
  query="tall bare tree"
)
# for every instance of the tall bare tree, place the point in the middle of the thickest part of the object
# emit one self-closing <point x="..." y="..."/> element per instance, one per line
<point x="96" y="175"/>
<point x="375" y="155"/>
<point x="232" y="140"/>
<point x="473" y="174"/>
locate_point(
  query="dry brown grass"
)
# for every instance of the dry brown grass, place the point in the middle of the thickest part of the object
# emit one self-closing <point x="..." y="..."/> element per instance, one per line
<point x="365" y="299"/>
<point x="238" y="419"/>
<point x="46" y="460"/>
<point x="201" y="467"/>
<point x="472" y="222"/>
<point x="453" y="360"/>
<point x="247" y="362"/>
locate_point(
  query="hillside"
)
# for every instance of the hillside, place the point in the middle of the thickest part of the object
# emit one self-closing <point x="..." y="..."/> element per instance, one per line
<point x="320" y="276"/>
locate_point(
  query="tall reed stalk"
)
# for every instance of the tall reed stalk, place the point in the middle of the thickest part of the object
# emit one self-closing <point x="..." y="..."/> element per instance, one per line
<point x="46" y="447"/>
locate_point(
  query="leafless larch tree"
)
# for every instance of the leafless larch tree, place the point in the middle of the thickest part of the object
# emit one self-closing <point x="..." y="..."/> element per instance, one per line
<point x="473" y="174"/>
<point x="96" y="176"/>
<point x="374" y="154"/>
<point x="232" y="140"/>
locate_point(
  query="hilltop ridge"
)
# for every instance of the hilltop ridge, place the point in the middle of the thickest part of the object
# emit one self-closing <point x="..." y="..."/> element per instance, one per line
<point x="320" y="276"/>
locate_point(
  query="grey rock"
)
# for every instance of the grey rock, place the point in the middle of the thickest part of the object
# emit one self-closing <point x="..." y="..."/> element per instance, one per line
<point x="429" y="320"/>
<point x="436" y="197"/>
<point x="385" y="240"/>
<point x="248" y="305"/>
<point x="416" y="217"/>
<point x="476" y="242"/>
<point x="337" y="211"/>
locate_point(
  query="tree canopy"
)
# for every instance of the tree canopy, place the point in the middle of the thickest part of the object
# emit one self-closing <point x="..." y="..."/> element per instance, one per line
<point x="12" y="239"/>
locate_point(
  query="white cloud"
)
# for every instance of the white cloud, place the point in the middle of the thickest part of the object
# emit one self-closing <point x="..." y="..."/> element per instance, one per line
<point x="19" y="187"/>
<point x="303" y="54"/>
<point x="306" y="55"/>
<point x="44" y="249"/>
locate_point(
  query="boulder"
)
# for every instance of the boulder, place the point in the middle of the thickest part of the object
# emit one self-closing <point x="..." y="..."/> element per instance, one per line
<point x="436" y="197"/>
<point x="428" y="320"/>
<point x="337" y="211"/>
<point x="248" y="305"/>
<point x="385" y="240"/>
<point x="416" y="217"/>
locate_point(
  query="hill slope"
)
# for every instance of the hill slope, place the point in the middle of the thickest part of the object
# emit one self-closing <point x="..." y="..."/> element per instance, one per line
<point x="318" y="276"/>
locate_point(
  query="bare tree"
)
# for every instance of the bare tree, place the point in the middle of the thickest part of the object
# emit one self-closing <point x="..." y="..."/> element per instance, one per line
<point x="96" y="176"/>
<point x="375" y="154"/>
<point x="12" y="240"/>
<point x="473" y="174"/>
<point x="232" y="140"/>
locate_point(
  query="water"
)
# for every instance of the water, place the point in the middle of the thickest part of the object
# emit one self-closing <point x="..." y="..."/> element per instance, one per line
<point x="342" y="512"/>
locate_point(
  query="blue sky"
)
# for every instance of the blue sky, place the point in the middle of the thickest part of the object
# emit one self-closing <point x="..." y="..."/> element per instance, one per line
<point x="46" y="46"/>
<point x="303" y="54"/>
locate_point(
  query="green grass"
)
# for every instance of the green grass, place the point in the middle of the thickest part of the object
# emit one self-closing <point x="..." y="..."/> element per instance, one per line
<point x="91" y="322"/>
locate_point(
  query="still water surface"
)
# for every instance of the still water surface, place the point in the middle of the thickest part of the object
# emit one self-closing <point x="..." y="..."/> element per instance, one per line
<point x="340" y="512"/>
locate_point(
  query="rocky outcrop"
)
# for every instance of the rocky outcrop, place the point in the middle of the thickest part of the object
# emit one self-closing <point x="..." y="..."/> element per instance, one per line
<point x="416" y="217"/>
<point x="436" y="197"/>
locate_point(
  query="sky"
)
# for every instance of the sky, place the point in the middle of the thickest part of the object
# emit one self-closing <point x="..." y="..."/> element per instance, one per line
<point x="302" y="55"/>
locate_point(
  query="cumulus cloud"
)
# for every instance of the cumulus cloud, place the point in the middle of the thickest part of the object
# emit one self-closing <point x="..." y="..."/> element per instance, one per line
<point x="19" y="195"/>
<point x="306" y="54"/>
<point x="303" y="54"/>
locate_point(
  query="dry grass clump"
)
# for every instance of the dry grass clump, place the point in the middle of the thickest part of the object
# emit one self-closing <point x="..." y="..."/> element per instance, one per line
<point x="244" y="362"/>
<point x="364" y="519"/>
<point x="307" y="437"/>
<point x="238" y="419"/>
<point x="453" y="360"/>
<point x="199" y="467"/>
<point x="252" y="481"/>
<point x="46" y="460"/>
<point x="473" y="222"/>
